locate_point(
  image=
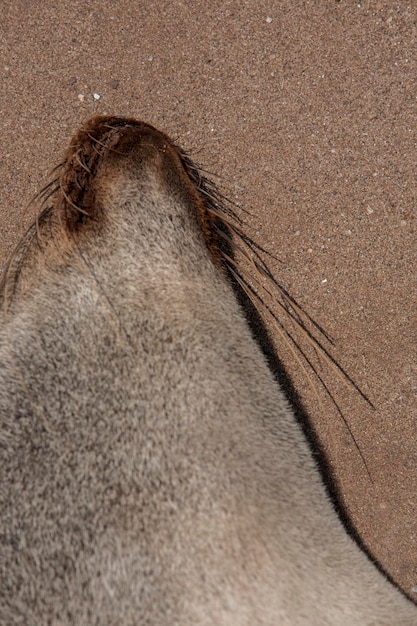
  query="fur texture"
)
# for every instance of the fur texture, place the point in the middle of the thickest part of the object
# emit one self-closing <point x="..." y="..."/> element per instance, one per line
<point x="152" y="472"/>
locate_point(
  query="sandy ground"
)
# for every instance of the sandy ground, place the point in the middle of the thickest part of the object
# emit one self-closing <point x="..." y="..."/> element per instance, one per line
<point x="307" y="110"/>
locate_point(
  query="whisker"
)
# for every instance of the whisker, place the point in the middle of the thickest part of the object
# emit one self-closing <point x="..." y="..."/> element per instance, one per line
<point x="45" y="197"/>
<point x="47" y="188"/>
<point x="71" y="203"/>
<point x="267" y="273"/>
<point x="282" y="305"/>
<point x="337" y="407"/>
<point x="337" y="368"/>
<point x="278" y="325"/>
<point x="103" y="145"/>
<point x="81" y="163"/>
<point x="293" y="346"/>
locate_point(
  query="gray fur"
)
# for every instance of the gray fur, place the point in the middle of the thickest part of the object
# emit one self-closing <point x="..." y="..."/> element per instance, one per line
<point x="152" y="472"/>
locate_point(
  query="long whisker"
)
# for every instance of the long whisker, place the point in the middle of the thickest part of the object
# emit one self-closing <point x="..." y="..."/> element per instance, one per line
<point x="294" y="347"/>
<point x="267" y="273"/>
<point x="337" y="368"/>
<point x="279" y="326"/>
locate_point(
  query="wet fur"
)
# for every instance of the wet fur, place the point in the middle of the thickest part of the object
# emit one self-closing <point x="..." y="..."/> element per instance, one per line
<point x="152" y="470"/>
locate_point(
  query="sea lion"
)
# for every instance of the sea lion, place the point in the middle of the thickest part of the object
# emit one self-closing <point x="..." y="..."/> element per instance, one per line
<point x="152" y="471"/>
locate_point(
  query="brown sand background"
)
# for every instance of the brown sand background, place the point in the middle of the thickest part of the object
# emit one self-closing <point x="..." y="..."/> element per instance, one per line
<point x="307" y="109"/>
